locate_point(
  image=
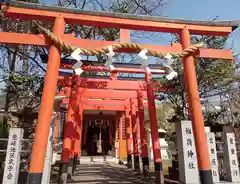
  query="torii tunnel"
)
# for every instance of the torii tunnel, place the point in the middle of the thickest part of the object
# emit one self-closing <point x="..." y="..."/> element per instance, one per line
<point x="126" y="97"/>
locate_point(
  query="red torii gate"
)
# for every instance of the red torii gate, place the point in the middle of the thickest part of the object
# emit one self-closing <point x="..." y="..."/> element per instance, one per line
<point x="130" y="107"/>
<point x="92" y="97"/>
<point x="26" y="11"/>
<point x="129" y="90"/>
<point x="118" y="105"/>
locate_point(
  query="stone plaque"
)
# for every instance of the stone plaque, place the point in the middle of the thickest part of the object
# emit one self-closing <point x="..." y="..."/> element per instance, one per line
<point x="230" y="158"/>
<point x="213" y="156"/>
<point x="12" y="162"/>
<point x="187" y="157"/>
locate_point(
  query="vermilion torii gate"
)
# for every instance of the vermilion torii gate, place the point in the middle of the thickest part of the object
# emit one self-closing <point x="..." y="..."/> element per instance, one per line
<point x="86" y="104"/>
<point x="130" y="107"/>
<point x="60" y="16"/>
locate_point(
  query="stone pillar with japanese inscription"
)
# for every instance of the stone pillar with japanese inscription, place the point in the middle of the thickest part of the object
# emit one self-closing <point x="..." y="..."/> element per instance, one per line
<point x="12" y="160"/>
<point x="213" y="156"/>
<point x="230" y="158"/>
<point x="187" y="158"/>
<point x="48" y="156"/>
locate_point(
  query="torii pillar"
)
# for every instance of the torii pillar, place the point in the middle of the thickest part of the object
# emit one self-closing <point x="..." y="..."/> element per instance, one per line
<point x="128" y="135"/>
<point x="46" y="108"/>
<point x="196" y="112"/>
<point x="70" y="135"/>
<point x="135" y="135"/>
<point x="143" y="135"/>
<point x="78" y="138"/>
<point x="120" y="127"/>
<point x="154" y="130"/>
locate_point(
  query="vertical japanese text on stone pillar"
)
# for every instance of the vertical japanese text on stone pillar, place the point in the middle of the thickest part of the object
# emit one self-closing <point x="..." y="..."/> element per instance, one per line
<point x="187" y="158"/>
<point x="213" y="155"/>
<point x="230" y="158"/>
<point x="190" y="154"/>
<point x="12" y="162"/>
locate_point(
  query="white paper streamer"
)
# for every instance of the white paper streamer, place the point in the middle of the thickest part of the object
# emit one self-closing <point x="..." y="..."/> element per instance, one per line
<point x="169" y="59"/>
<point x="79" y="71"/>
<point x="143" y="53"/>
<point x="144" y="57"/>
<point x="110" y="60"/>
<point x="172" y="74"/>
<point x="147" y="69"/>
<point x="167" y="63"/>
<point x="77" y="66"/>
<point x="76" y="54"/>
<point x="111" y="67"/>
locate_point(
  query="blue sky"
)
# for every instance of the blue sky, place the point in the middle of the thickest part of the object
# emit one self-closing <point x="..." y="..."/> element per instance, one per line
<point x="195" y="9"/>
<point x="203" y="9"/>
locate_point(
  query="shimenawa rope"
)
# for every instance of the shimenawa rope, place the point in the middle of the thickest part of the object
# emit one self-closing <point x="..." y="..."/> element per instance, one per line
<point x="69" y="48"/>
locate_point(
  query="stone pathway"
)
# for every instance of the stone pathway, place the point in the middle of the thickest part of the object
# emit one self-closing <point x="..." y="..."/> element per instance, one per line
<point x="106" y="172"/>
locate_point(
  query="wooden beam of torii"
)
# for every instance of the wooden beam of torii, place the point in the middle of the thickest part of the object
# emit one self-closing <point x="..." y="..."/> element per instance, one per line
<point x="97" y="104"/>
<point x="28" y="11"/>
<point x="40" y="40"/>
<point x="120" y="70"/>
<point x="105" y="117"/>
<point x="105" y="94"/>
<point x="108" y="84"/>
<point x="91" y="65"/>
<point x="103" y="104"/>
<point x="111" y="99"/>
<point x="104" y="107"/>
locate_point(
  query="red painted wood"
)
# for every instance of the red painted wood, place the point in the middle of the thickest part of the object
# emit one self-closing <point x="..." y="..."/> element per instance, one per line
<point x="113" y="22"/>
<point x="143" y="134"/>
<point x="128" y="125"/>
<point x="134" y="127"/>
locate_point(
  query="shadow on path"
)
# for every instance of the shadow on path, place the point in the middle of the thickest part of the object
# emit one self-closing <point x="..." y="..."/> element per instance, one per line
<point x="104" y="173"/>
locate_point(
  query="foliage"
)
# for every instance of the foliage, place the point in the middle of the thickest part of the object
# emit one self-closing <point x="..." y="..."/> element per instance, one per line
<point x="164" y="112"/>
<point x="214" y="78"/>
<point x="25" y="90"/>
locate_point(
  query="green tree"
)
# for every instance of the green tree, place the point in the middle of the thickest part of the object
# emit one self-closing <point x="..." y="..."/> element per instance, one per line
<point x="214" y="78"/>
